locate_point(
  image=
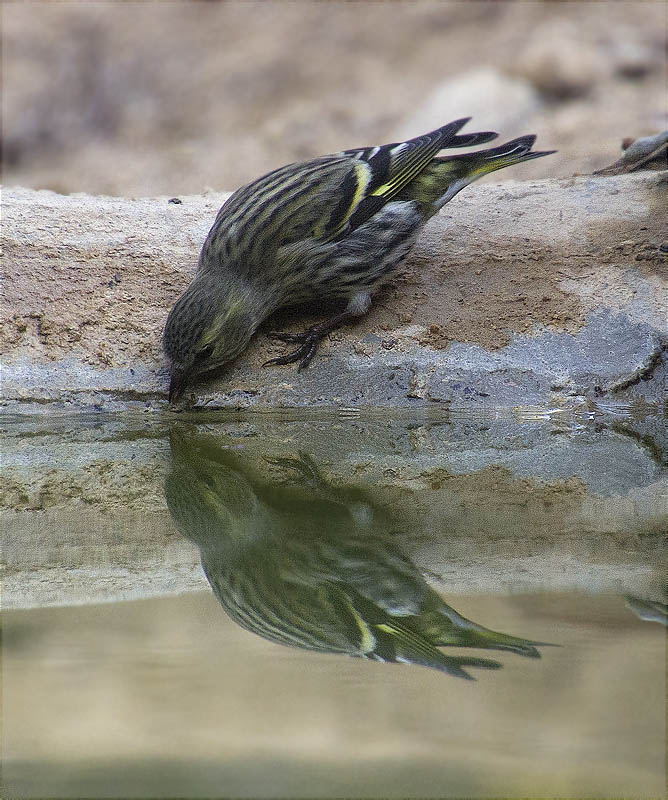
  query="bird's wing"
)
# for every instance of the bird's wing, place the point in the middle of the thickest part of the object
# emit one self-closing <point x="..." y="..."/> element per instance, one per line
<point x="380" y="637"/>
<point x="374" y="175"/>
<point x="383" y="171"/>
<point x="323" y="199"/>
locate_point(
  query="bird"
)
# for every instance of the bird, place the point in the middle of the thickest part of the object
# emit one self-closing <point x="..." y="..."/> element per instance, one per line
<point x="330" y="229"/>
<point x="303" y="564"/>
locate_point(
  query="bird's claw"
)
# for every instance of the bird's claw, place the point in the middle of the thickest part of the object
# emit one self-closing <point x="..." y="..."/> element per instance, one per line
<point x="304" y="353"/>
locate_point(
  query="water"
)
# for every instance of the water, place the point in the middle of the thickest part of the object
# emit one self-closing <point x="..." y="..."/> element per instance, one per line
<point x="512" y="563"/>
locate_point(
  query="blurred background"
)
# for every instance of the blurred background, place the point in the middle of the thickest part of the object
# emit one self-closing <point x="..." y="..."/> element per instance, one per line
<point x="166" y="98"/>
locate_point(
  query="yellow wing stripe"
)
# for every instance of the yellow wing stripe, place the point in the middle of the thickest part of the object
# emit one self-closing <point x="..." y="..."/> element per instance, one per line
<point x="413" y="165"/>
<point x="363" y="174"/>
<point x="363" y="177"/>
<point x="367" y="639"/>
<point x="397" y="183"/>
<point x="407" y="637"/>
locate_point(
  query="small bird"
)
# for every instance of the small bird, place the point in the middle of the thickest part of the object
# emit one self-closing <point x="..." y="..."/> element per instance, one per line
<point x="330" y="229"/>
<point x="312" y="566"/>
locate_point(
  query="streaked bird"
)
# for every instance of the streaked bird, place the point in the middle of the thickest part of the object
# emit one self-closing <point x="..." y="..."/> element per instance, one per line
<point x="314" y="567"/>
<point x="330" y="229"/>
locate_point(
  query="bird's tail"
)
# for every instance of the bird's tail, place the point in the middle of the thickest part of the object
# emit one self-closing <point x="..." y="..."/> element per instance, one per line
<point x="446" y="627"/>
<point x="445" y="176"/>
<point x="487" y="639"/>
<point x="505" y="155"/>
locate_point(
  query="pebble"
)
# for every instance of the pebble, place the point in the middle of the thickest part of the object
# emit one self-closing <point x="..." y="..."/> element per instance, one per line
<point x="644" y="146"/>
<point x="558" y="65"/>
<point x="631" y="59"/>
<point x="495" y="101"/>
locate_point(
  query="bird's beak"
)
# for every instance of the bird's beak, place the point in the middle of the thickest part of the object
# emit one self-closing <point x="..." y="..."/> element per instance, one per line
<point x="177" y="384"/>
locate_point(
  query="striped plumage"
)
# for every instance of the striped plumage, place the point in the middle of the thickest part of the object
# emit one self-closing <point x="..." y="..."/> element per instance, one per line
<point x="333" y="228"/>
<point x="313" y="567"/>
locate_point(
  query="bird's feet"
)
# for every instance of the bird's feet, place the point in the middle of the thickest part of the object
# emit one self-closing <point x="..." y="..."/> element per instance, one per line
<point x="308" y="345"/>
<point x="309" y="340"/>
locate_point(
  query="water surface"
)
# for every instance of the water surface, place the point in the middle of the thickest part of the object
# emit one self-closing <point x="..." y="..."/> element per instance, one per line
<point x="271" y="606"/>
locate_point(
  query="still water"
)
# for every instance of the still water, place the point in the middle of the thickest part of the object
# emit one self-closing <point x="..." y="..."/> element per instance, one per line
<point x="332" y="605"/>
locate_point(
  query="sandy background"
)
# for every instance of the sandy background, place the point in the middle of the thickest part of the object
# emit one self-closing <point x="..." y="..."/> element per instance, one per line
<point x="167" y="98"/>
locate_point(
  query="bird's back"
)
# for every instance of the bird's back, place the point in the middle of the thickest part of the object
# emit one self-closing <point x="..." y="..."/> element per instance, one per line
<point x="320" y="201"/>
<point x="298" y="202"/>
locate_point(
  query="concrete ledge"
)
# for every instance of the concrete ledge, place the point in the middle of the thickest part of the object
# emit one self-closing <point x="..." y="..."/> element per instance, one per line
<point x="540" y="292"/>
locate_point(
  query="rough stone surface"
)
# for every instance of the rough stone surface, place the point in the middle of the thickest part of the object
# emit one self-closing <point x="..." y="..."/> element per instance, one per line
<point x="539" y="292"/>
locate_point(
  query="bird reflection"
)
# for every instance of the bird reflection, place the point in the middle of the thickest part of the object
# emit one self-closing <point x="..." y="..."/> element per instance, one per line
<point x="305" y="564"/>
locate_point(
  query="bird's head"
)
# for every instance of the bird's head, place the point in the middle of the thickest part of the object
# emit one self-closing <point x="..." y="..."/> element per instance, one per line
<point x="210" y="324"/>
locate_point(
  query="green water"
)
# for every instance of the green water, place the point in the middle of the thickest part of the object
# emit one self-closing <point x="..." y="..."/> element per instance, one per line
<point x="335" y="605"/>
